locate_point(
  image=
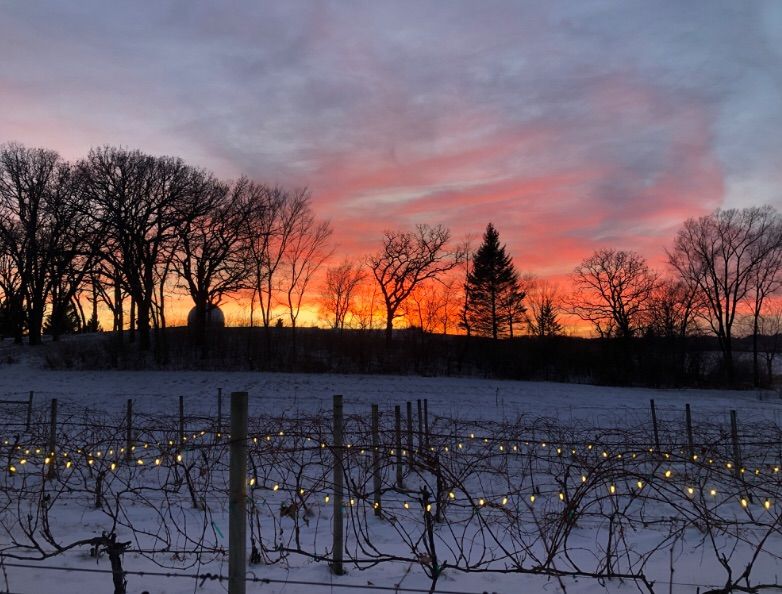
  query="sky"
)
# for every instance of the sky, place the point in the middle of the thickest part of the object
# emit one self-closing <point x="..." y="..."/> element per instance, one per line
<point x="570" y="125"/>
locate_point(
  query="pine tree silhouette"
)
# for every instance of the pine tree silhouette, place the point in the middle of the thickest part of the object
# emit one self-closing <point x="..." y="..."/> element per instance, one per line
<point x="494" y="299"/>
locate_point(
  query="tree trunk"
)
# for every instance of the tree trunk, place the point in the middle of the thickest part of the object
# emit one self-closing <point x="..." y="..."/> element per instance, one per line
<point x="94" y="318"/>
<point x="199" y="328"/>
<point x="389" y="327"/>
<point x="729" y="359"/>
<point x="34" y="325"/>
<point x="755" y="365"/>
<point x="18" y="319"/>
<point x="119" y="313"/>
<point x="132" y="328"/>
<point x="143" y="325"/>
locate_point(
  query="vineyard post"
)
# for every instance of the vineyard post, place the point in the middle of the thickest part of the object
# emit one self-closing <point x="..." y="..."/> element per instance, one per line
<point x="398" y="445"/>
<point x="426" y="424"/>
<point x="237" y="502"/>
<point x="654" y="425"/>
<point x="129" y="432"/>
<point x="420" y="426"/>
<point x="734" y="433"/>
<point x="219" y="412"/>
<point x="410" y="435"/>
<point x="52" y="443"/>
<point x="688" y="418"/>
<point x="376" y="459"/>
<point x="182" y="421"/>
<point x="337" y="527"/>
<point x="29" y="411"/>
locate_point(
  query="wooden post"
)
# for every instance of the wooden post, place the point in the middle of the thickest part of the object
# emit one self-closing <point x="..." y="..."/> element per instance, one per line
<point x="129" y="435"/>
<point x="734" y="432"/>
<point x="410" y="435"/>
<point x="337" y="526"/>
<point x="376" y="458"/>
<point x="420" y="426"/>
<point x="29" y="412"/>
<point x="688" y="419"/>
<point x="182" y="420"/>
<point x="398" y="446"/>
<point x="219" y="412"/>
<point x="237" y="502"/>
<point x="426" y="424"/>
<point x="52" y="442"/>
<point x="654" y="425"/>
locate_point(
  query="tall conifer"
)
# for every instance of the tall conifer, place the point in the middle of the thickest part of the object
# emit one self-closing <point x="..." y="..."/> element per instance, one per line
<point x="494" y="299"/>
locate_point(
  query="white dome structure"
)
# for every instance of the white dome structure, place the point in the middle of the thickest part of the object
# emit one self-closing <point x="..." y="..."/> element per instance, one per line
<point x="214" y="317"/>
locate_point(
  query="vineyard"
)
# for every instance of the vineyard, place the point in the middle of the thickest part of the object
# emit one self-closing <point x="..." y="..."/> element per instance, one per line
<point x="435" y="497"/>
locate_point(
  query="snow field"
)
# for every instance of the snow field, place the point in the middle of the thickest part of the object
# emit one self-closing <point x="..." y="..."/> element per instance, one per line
<point x="527" y="485"/>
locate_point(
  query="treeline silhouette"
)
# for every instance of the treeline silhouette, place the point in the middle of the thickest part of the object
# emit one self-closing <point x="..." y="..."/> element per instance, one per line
<point x="122" y="230"/>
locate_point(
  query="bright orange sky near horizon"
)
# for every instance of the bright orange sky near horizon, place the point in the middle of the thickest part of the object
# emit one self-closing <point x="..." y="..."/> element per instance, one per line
<point x="571" y="126"/>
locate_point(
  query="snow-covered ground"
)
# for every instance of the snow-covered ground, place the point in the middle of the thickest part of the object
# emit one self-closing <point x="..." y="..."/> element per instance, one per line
<point x="458" y="405"/>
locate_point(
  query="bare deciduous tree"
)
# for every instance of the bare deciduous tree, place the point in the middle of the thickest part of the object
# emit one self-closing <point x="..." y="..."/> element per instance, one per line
<point x="611" y="290"/>
<point x="543" y="306"/>
<point x="138" y="200"/>
<point x="338" y="291"/>
<point x="408" y="259"/>
<point x="306" y="251"/>
<point x="672" y="309"/>
<point x="434" y="306"/>
<point x="721" y="254"/>
<point x="41" y="229"/>
<point x="765" y="281"/>
<point x="269" y="226"/>
<point x="211" y="258"/>
<point x="12" y="303"/>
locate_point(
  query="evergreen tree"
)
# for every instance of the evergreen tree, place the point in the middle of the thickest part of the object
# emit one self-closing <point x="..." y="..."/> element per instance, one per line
<point x="494" y="299"/>
<point x="67" y="322"/>
<point x="545" y="322"/>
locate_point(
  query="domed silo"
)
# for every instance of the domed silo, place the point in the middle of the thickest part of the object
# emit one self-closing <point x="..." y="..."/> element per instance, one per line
<point x="214" y="318"/>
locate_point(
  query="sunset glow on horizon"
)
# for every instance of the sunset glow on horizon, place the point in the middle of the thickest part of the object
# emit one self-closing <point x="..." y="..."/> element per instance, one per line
<point x="571" y="126"/>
